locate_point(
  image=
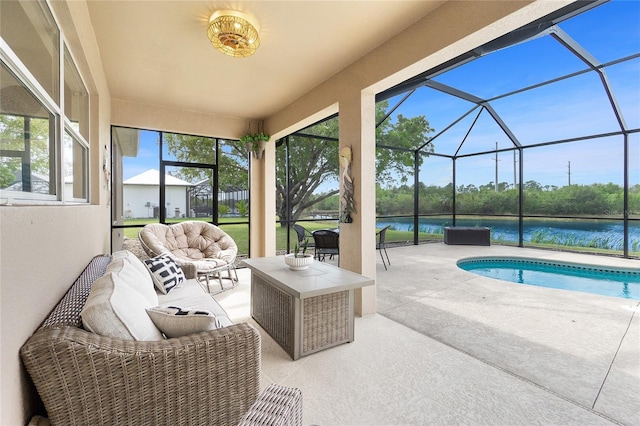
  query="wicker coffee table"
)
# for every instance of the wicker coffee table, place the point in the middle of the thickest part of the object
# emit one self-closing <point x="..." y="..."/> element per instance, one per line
<point x="304" y="311"/>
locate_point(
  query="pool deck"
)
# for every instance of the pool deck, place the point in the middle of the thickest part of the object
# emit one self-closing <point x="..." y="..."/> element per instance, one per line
<point x="580" y="346"/>
<point x="451" y="347"/>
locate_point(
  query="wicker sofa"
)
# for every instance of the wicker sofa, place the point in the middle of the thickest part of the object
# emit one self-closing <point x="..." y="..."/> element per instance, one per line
<point x="206" y="378"/>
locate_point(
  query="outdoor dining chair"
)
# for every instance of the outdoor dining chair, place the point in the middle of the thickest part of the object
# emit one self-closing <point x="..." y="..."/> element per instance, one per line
<point x="327" y="243"/>
<point x="380" y="246"/>
<point x="303" y="234"/>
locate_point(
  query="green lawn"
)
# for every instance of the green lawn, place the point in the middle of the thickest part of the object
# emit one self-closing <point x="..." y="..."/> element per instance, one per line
<point x="240" y="232"/>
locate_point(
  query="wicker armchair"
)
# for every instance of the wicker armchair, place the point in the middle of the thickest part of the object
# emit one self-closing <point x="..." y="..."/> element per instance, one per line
<point x="200" y="248"/>
<point x="209" y="378"/>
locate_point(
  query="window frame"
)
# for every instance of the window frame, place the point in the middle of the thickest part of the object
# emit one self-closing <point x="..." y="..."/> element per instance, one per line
<point x="61" y="123"/>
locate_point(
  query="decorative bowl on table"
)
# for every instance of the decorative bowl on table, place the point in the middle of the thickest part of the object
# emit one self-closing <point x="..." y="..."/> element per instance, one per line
<point x="298" y="263"/>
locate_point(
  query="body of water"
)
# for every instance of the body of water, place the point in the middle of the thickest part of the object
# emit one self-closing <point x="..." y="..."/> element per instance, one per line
<point x="603" y="234"/>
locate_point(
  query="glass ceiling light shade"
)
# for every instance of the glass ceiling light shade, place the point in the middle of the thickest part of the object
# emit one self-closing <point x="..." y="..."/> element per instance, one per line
<point x="233" y="33"/>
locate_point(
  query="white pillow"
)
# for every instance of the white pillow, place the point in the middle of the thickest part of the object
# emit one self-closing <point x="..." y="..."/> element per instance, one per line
<point x="165" y="272"/>
<point x="136" y="277"/>
<point x="174" y="321"/>
<point x="121" y="254"/>
<point x="114" y="309"/>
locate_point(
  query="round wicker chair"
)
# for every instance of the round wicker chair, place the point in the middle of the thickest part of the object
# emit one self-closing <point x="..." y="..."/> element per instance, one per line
<point x="200" y="248"/>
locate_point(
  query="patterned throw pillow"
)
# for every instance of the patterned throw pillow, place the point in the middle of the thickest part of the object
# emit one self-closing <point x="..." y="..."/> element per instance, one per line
<point x="165" y="272"/>
<point x="174" y="321"/>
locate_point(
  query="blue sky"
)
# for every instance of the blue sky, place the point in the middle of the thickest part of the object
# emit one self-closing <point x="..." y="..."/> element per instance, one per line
<point x="147" y="155"/>
<point x="567" y="109"/>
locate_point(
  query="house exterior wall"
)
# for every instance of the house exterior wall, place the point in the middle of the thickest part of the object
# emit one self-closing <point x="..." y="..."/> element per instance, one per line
<point x="44" y="248"/>
<point x="136" y="198"/>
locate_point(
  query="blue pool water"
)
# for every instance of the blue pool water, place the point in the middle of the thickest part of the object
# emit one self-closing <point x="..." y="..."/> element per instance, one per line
<point x="607" y="281"/>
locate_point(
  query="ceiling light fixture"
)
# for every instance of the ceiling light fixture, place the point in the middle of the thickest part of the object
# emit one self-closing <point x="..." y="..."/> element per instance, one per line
<point x="233" y="33"/>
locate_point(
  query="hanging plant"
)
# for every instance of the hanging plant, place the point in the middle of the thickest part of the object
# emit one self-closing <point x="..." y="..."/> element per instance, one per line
<point x="256" y="142"/>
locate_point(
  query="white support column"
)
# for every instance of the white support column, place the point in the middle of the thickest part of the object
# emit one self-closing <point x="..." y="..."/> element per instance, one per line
<point x="262" y="235"/>
<point x="358" y="239"/>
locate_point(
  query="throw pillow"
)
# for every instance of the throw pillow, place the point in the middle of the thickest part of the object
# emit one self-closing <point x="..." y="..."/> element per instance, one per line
<point x="174" y="321"/>
<point x="114" y="309"/>
<point x="165" y="272"/>
<point x="137" y="278"/>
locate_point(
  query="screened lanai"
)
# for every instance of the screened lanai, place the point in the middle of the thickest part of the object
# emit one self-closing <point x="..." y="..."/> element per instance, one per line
<point x="534" y="135"/>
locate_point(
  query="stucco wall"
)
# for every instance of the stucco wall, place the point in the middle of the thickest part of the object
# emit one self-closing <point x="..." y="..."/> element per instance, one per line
<point x="163" y="118"/>
<point x="44" y="248"/>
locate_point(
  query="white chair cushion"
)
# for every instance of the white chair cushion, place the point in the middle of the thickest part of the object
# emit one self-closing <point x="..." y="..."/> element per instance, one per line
<point x="175" y="321"/>
<point x="115" y="309"/>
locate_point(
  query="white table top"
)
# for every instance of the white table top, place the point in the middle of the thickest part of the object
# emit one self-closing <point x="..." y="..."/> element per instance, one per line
<point x="320" y="278"/>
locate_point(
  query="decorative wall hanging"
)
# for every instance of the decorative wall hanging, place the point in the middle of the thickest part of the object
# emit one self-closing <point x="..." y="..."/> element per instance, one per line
<point x="347" y="203"/>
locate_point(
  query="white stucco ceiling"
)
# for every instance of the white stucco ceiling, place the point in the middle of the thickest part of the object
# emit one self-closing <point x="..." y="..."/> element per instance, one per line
<point x="157" y="52"/>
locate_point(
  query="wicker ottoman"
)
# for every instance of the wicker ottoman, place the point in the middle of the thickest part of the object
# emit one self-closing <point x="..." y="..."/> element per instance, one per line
<point x="304" y="311"/>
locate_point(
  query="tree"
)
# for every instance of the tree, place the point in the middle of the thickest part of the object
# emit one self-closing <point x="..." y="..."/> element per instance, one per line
<point x="232" y="166"/>
<point x="12" y="133"/>
<point x="405" y="134"/>
<point x="313" y="160"/>
<point x="243" y="208"/>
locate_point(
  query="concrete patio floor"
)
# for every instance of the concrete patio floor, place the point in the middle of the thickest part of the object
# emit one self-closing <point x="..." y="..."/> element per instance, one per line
<point x="449" y="347"/>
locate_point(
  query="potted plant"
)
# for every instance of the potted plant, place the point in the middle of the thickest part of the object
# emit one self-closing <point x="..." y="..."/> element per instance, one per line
<point x="256" y="142"/>
<point x="299" y="259"/>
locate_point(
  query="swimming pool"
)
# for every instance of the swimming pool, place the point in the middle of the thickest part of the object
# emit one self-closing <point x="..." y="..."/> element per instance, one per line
<point x="604" y="280"/>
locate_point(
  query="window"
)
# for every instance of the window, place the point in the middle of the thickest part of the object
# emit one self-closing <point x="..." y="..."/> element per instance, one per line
<point x="27" y="151"/>
<point x="163" y="177"/>
<point x="75" y="178"/>
<point x="76" y="98"/>
<point x="44" y="112"/>
<point x="30" y="31"/>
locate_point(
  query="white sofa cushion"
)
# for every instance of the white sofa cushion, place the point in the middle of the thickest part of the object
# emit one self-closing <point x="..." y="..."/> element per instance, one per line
<point x="190" y="287"/>
<point x="115" y="309"/>
<point x="165" y="272"/>
<point x="175" y="321"/>
<point x="193" y="295"/>
<point x="122" y="254"/>
<point x="136" y="275"/>
<point x="201" y="302"/>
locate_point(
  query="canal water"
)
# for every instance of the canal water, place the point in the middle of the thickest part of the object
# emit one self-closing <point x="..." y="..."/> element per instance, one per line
<point x="603" y="234"/>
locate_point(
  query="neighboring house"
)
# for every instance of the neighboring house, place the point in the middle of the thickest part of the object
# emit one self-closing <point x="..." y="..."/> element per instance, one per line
<point x="202" y="199"/>
<point x="231" y="196"/>
<point x="142" y="195"/>
<point x="39" y="184"/>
